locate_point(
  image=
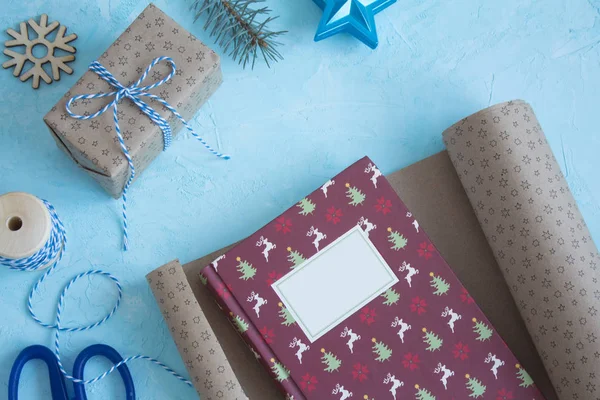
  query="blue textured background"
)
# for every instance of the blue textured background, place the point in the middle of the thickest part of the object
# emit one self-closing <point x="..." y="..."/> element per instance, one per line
<point x="288" y="129"/>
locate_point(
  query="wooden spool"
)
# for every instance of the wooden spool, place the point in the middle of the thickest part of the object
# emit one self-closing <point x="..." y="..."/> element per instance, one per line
<point x="25" y="225"/>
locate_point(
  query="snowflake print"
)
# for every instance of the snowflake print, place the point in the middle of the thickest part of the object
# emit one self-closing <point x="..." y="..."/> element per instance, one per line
<point x="411" y="361"/>
<point x="308" y="382"/>
<point x="333" y="215"/>
<point x="504" y="394"/>
<point x="383" y="206"/>
<point x="426" y="250"/>
<point x="465" y="296"/>
<point x="283" y="224"/>
<point x="224" y="291"/>
<point x="461" y="351"/>
<point x="273" y="277"/>
<point x="418" y="305"/>
<point x="367" y="315"/>
<point x="360" y="372"/>
<point x="267" y="334"/>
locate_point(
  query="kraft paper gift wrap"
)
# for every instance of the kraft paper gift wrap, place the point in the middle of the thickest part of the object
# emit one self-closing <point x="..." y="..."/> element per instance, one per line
<point x="93" y="143"/>
<point x="538" y="236"/>
<point x="204" y="358"/>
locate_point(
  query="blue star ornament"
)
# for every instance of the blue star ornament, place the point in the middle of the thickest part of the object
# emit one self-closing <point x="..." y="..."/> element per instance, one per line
<point x="355" y="17"/>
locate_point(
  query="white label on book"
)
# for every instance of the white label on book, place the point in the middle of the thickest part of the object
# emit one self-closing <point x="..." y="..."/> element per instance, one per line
<point x="333" y="284"/>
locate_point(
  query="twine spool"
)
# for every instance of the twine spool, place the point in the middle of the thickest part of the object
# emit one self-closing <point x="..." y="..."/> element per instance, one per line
<point x="24" y="225"/>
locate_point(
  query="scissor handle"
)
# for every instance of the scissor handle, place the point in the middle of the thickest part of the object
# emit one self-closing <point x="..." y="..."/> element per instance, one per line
<point x="104" y="351"/>
<point x="37" y="352"/>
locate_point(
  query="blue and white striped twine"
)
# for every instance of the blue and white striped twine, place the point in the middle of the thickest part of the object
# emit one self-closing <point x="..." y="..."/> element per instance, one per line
<point x="135" y="92"/>
<point x="51" y="254"/>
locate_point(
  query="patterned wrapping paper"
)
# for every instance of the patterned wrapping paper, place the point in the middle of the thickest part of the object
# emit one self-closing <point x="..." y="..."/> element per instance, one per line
<point x="209" y="369"/>
<point x="93" y="144"/>
<point x="538" y="236"/>
<point x="424" y="338"/>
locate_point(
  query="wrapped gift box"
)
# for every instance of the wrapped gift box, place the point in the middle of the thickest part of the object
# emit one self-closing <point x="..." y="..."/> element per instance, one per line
<point x="93" y="144"/>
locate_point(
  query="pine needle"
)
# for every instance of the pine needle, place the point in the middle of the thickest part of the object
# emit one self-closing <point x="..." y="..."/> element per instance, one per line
<point x="234" y="25"/>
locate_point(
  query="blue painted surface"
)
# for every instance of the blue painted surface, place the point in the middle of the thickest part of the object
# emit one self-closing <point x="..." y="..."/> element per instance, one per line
<point x="288" y="129"/>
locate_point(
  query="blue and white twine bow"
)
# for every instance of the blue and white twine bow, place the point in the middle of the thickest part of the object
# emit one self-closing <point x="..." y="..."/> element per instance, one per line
<point x="135" y="93"/>
<point x="51" y="254"/>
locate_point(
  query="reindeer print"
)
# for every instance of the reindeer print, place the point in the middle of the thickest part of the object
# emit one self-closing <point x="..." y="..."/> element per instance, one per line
<point x="368" y="227"/>
<point x="340" y="389"/>
<point x="416" y="225"/>
<point x="411" y="272"/>
<point x="318" y="236"/>
<point x="268" y="246"/>
<point x="301" y="348"/>
<point x="215" y="263"/>
<point x="415" y="222"/>
<point x="453" y="317"/>
<point x="376" y="173"/>
<point x="403" y="327"/>
<point x="324" y="188"/>
<point x="259" y="302"/>
<point x="446" y="373"/>
<point x="491" y="358"/>
<point x="395" y="383"/>
<point x="353" y="338"/>
<point x="256" y="355"/>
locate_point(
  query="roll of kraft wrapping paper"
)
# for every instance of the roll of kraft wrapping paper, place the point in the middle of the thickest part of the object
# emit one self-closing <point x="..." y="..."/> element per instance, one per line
<point x="204" y="358"/>
<point x="538" y="236"/>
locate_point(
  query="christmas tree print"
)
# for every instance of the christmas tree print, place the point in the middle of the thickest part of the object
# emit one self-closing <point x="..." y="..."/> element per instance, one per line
<point x="239" y="323"/>
<point x="284" y="313"/>
<point x="475" y="386"/>
<point x="484" y="331"/>
<point x="356" y="196"/>
<point x="396" y="239"/>
<point x="306" y="206"/>
<point x="203" y="279"/>
<point x="246" y="269"/>
<point x="526" y="380"/>
<point x="381" y="350"/>
<point x="439" y="284"/>
<point x="423" y="394"/>
<point x="281" y="373"/>
<point x="391" y="297"/>
<point x="433" y="340"/>
<point x="295" y="257"/>
<point x="331" y="362"/>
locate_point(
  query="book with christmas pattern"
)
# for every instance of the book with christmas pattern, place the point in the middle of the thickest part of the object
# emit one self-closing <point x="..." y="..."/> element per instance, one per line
<point x="343" y="295"/>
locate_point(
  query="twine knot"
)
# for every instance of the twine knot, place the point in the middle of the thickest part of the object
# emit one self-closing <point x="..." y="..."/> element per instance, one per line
<point x="125" y="93"/>
<point x="136" y="92"/>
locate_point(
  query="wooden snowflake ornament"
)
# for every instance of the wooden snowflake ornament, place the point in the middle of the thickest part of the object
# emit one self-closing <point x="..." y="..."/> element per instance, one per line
<point x="42" y="30"/>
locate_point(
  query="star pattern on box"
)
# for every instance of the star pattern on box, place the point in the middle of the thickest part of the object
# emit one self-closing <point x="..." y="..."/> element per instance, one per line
<point x="126" y="59"/>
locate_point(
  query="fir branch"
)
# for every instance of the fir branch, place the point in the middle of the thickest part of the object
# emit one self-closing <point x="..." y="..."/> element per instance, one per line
<point x="234" y="25"/>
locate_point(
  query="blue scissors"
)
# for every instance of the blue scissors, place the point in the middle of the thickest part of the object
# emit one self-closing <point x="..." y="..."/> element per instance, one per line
<point x="57" y="380"/>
